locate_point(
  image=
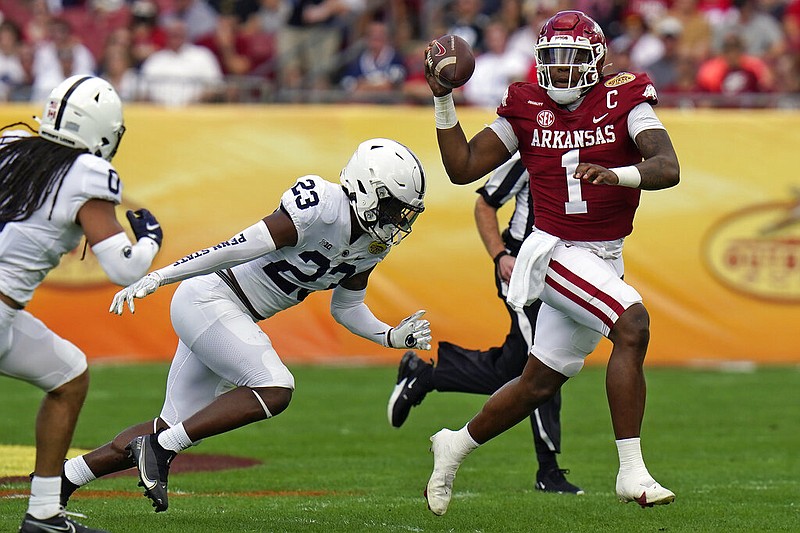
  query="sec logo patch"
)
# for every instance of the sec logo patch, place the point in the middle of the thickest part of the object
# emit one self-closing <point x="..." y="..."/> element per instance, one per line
<point x="545" y="118"/>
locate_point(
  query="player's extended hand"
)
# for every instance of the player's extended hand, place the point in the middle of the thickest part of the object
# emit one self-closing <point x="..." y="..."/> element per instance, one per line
<point x="144" y="224"/>
<point x="436" y="88"/>
<point x="137" y="289"/>
<point x="411" y="332"/>
<point x="591" y="173"/>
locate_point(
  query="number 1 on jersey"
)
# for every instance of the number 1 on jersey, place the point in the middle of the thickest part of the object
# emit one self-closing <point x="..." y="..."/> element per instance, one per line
<point x="575" y="204"/>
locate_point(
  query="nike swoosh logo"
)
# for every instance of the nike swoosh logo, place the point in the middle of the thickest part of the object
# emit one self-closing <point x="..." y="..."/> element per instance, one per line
<point x="595" y="120"/>
<point x="411" y="383"/>
<point x="68" y="528"/>
<point x="151" y="227"/>
<point x="148" y="483"/>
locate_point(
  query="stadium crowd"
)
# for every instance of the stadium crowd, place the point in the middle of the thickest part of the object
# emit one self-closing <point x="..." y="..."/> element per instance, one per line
<point x="723" y="53"/>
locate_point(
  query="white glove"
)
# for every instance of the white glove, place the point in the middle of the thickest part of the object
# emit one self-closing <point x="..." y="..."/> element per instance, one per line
<point x="411" y="333"/>
<point x="137" y="289"/>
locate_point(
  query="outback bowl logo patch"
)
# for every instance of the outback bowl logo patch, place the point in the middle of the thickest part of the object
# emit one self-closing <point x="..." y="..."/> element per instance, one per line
<point x="545" y="118"/>
<point x="756" y="251"/>
<point x="620" y="79"/>
<point x="376" y="248"/>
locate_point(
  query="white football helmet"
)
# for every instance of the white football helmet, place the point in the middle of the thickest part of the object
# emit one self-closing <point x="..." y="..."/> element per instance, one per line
<point x="84" y="112"/>
<point x="385" y="184"/>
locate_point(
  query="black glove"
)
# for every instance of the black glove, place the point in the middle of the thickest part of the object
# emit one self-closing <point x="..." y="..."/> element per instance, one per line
<point x="144" y="224"/>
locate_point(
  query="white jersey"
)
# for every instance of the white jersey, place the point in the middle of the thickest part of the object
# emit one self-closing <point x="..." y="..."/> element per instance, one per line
<point x="321" y="259"/>
<point x="29" y="249"/>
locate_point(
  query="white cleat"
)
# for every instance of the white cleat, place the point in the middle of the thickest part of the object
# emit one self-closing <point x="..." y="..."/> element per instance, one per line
<point x="646" y="491"/>
<point x="446" y="461"/>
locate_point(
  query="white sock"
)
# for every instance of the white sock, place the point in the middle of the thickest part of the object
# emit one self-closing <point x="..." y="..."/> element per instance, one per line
<point x="45" y="497"/>
<point x="465" y="440"/>
<point x="174" y="438"/>
<point x="630" y="457"/>
<point x="78" y="472"/>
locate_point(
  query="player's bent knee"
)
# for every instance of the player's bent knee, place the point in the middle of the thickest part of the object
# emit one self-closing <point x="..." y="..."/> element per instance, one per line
<point x="75" y="388"/>
<point x="275" y="400"/>
<point x="632" y="328"/>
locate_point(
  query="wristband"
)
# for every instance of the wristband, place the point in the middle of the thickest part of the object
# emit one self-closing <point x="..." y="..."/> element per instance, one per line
<point x="496" y="258"/>
<point x="444" y="109"/>
<point x="628" y="176"/>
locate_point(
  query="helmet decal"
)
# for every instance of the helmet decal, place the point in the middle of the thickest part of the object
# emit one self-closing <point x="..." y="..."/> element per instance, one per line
<point x="64" y="100"/>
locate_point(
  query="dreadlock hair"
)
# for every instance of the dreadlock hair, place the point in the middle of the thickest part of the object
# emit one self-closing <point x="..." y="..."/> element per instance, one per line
<point x="31" y="168"/>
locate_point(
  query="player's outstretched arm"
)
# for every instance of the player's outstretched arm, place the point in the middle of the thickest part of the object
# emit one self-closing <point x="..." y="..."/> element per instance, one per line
<point x="348" y="309"/>
<point x="271" y="233"/>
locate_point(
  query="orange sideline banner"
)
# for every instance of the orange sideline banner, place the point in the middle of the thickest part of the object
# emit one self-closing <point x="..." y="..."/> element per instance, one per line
<point x="717" y="258"/>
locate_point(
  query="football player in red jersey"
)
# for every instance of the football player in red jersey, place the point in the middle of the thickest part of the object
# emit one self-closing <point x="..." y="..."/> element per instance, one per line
<point x="591" y="143"/>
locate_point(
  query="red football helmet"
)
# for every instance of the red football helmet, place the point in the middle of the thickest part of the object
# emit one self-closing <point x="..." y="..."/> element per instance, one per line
<point x="569" y="40"/>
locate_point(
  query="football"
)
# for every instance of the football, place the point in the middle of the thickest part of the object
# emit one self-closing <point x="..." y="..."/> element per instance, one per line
<point x="451" y="61"/>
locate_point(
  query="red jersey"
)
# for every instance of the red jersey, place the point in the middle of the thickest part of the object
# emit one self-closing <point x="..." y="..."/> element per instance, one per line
<point x="553" y="141"/>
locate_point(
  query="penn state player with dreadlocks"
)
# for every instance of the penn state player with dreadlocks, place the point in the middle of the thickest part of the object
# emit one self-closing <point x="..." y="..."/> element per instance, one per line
<point x="590" y="143"/>
<point x="55" y="188"/>
<point x="225" y="373"/>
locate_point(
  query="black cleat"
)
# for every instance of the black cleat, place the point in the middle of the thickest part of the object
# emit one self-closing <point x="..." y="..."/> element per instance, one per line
<point x="55" y="524"/>
<point x="414" y="381"/>
<point x="553" y="480"/>
<point x="67" y="488"/>
<point x="153" y="462"/>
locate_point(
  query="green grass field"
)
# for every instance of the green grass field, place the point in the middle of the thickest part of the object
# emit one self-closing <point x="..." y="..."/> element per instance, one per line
<point x="726" y="443"/>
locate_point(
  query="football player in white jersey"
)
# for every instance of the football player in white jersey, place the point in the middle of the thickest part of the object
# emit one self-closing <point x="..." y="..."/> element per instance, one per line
<point x="225" y="373"/>
<point x="55" y="188"/>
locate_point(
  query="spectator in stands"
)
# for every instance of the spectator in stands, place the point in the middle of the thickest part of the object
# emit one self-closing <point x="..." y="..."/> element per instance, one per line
<point x="309" y="42"/>
<point x="95" y="20"/>
<point x="638" y="42"/>
<point x="467" y="20"/>
<point x="665" y="72"/>
<point x="146" y="33"/>
<point x="183" y="72"/>
<point x="378" y="70"/>
<point x="261" y="30"/>
<point x="62" y="55"/>
<point x="199" y="18"/>
<point x="270" y="17"/>
<point x="520" y="42"/>
<point x="495" y="69"/>
<point x="695" y="42"/>
<point x="761" y="34"/>
<point x="12" y="74"/>
<point x="35" y="21"/>
<point x="733" y="71"/>
<point x="117" y="68"/>
<point x="229" y="45"/>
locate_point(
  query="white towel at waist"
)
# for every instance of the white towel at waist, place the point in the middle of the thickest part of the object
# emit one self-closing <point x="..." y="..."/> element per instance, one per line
<point x="530" y="268"/>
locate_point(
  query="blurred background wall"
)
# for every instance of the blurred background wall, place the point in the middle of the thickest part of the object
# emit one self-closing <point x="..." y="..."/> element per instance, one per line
<point x="717" y="258"/>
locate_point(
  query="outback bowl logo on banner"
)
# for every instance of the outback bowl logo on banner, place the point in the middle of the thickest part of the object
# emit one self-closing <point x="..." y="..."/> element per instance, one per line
<point x="756" y="251"/>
